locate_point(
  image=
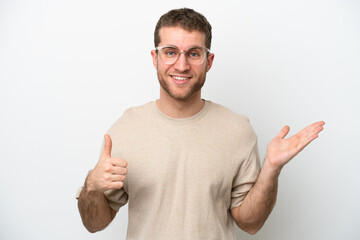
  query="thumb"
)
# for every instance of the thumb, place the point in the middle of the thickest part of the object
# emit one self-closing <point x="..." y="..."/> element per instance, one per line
<point x="284" y="131"/>
<point x="107" y="146"/>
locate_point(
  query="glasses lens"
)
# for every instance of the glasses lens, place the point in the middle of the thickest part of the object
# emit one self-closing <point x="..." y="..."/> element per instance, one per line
<point x="195" y="55"/>
<point x="170" y="54"/>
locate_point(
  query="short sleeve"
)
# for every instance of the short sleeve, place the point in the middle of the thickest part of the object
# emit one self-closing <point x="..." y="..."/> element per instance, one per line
<point x="246" y="177"/>
<point x="78" y="192"/>
<point x="116" y="198"/>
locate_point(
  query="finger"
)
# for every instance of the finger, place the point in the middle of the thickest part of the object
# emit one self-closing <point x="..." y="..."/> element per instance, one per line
<point x="119" y="162"/>
<point x="312" y="129"/>
<point x="316" y="127"/>
<point x="321" y="123"/>
<point x="319" y="126"/>
<point x="116" y="185"/>
<point x="107" y="146"/>
<point x="310" y="133"/>
<point x="315" y="133"/>
<point x="117" y="178"/>
<point x="120" y="170"/>
<point x="284" y="131"/>
<point x="306" y="142"/>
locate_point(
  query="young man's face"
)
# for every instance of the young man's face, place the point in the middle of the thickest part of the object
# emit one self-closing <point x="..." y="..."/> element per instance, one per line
<point x="181" y="80"/>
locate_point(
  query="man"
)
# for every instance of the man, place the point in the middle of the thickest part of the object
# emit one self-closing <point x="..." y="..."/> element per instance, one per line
<point x="188" y="167"/>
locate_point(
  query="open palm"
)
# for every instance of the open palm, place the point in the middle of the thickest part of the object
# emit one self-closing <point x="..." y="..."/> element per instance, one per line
<point x="281" y="150"/>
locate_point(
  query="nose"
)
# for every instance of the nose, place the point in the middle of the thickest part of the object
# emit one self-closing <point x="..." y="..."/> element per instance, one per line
<point x="182" y="63"/>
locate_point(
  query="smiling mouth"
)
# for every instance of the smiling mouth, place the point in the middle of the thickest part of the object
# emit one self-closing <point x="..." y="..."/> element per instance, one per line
<point x="180" y="78"/>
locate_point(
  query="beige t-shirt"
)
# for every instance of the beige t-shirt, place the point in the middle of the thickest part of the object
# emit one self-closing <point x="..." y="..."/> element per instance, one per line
<point x="184" y="175"/>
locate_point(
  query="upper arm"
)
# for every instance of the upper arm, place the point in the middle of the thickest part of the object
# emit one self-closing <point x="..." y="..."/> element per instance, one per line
<point x="248" y="227"/>
<point x="113" y="213"/>
<point x="235" y="214"/>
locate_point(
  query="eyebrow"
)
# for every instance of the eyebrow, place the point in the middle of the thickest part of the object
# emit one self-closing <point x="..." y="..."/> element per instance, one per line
<point x="194" y="46"/>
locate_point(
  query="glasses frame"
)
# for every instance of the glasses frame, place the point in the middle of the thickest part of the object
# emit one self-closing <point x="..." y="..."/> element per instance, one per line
<point x="205" y="50"/>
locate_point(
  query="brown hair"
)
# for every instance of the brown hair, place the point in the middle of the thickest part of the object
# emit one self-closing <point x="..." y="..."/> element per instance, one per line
<point x="187" y="19"/>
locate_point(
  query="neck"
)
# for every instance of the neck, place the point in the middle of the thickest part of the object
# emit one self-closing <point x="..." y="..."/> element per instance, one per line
<point x="176" y="108"/>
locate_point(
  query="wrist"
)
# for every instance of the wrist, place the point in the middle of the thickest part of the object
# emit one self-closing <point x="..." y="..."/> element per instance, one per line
<point x="271" y="168"/>
<point x="87" y="184"/>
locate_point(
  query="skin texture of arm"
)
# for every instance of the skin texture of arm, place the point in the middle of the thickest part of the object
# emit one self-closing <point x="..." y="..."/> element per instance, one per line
<point x="109" y="173"/>
<point x="94" y="210"/>
<point x="259" y="202"/>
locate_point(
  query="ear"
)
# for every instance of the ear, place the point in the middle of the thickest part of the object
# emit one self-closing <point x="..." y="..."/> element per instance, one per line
<point x="154" y="57"/>
<point x="209" y="60"/>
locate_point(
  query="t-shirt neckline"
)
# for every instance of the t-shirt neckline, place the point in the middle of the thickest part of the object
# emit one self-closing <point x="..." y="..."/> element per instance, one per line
<point x="193" y="118"/>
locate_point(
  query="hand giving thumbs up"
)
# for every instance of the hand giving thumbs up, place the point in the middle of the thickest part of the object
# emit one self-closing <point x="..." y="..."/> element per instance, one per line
<point x="109" y="172"/>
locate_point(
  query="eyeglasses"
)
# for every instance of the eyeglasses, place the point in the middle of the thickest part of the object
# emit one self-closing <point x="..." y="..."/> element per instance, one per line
<point x="194" y="55"/>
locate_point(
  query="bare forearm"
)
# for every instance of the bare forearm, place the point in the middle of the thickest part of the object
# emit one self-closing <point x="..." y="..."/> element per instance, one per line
<point x="259" y="202"/>
<point x="94" y="210"/>
<point x="109" y="173"/>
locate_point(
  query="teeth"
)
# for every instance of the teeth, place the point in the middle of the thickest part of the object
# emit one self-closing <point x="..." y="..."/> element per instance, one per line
<point x="180" y="78"/>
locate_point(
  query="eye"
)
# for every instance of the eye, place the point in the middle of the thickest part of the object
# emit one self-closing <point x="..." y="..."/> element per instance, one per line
<point x="194" y="53"/>
<point x="170" y="52"/>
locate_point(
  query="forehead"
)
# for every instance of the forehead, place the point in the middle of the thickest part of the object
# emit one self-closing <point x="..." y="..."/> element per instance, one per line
<point x="181" y="38"/>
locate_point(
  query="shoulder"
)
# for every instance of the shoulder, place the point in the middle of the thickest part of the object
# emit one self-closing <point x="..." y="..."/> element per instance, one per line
<point x="225" y="113"/>
<point x="133" y="116"/>
<point x="235" y="123"/>
<point x="138" y="110"/>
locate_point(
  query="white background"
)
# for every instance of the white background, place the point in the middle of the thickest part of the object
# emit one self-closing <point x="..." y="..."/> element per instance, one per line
<point x="68" y="70"/>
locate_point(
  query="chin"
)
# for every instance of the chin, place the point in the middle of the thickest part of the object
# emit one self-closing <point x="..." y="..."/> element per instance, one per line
<point x="181" y="93"/>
